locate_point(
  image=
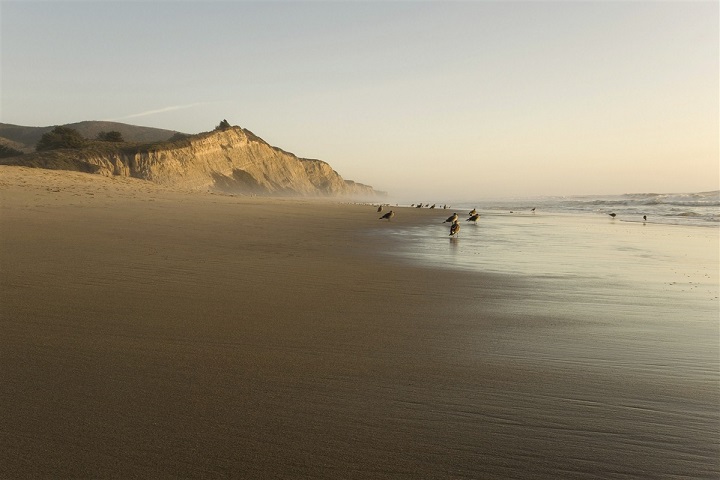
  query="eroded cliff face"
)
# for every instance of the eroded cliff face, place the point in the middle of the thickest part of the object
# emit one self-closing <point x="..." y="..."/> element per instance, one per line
<point x="233" y="160"/>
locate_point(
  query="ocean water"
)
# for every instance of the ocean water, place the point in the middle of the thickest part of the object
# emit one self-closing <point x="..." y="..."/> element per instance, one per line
<point x="570" y="246"/>
<point x="618" y="319"/>
<point x="698" y="209"/>
<point x="575" y="239"/>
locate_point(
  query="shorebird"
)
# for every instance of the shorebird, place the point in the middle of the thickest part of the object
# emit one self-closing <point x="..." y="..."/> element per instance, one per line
<point x="388" y="215"/>
<point x="644" y="218"/>
<point x="433" y="206"/>
<point x="612" y="214"/>
<point x="533" y="210"/>
<point x="452" y="218"/>
<point x="473" y="218"/>
<point x="472" y="212"/>
<point x="419" y="205"/>
<point x="380" y="209"/>
<point x="454" y="228"/>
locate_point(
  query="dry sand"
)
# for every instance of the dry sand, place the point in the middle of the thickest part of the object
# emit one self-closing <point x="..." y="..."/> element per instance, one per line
<point x="153" y="333"/>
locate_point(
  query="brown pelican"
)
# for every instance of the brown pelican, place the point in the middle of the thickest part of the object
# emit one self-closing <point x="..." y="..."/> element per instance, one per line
<point x="452" y="218"/>
<point x="388" y="215"/>
<point x="473" y="218"/>
<point x="454" y="228"/>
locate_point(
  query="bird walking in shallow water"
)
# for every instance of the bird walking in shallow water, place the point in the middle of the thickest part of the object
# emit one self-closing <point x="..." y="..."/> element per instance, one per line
<point x="452" y="218"/>
<point x="454" y="228"/>
<point x="387" y="216"/>
<point x="473" y="218"/>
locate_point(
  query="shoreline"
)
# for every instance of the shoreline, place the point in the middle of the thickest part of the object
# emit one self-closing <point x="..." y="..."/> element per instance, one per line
<point x="149" y="332"/>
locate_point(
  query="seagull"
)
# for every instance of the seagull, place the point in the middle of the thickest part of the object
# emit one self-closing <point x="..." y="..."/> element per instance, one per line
<point x="472" y="212"/>
<point x="380" y="209"/>
<point x="473" y="218"/>
<point x="612" y="214"/>
<point x="454" y="228"/>
<point x="452" y="218"/>
<point x="388" y="215"/>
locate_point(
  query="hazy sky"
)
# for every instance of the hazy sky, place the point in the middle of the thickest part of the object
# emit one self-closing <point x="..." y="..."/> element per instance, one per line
<point x="431" y="101"/>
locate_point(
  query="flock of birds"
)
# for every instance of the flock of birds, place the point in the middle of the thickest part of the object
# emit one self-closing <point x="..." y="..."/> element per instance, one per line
<point x="453" y="219"/>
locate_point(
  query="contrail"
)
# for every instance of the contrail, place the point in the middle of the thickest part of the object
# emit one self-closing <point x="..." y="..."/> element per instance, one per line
<point x="160" y="110"/>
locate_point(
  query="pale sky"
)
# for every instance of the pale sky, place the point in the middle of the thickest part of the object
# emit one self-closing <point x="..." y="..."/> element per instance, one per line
<point x="428" y="100"/>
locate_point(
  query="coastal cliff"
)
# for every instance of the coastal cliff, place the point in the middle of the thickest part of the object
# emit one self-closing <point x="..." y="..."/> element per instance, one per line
<point x="233" y="160"/>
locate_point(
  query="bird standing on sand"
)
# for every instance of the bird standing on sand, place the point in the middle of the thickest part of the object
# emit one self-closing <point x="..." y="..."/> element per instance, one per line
<point x="454" y="228"/>
<point x="473" y="218"/>
<point x="612" y="214"/>
<point x="452" y="218"/>
<point x="533" y="210"/>
<point x="388" y="215"/>
<point x="644" y="218"/>
<point x="380" y="209"/>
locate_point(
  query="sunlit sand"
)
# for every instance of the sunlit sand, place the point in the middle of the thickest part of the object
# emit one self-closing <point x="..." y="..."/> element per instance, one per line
<point x="148" y="332"/>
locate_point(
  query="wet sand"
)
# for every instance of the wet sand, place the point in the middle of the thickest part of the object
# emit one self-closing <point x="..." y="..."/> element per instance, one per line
<point x="153" y="333"/>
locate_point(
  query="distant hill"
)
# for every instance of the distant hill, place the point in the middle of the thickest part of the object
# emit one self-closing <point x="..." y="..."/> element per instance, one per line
<point x="24" y="138"/>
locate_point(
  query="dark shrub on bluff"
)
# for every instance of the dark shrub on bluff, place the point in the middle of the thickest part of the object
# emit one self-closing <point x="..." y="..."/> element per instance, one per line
<point x="6" y="152"/>
<point x="60" y="137"/>
<point x="112" y="136"/>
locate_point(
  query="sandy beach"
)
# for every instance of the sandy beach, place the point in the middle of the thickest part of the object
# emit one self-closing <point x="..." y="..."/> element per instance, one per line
<point x="154" y="333"/>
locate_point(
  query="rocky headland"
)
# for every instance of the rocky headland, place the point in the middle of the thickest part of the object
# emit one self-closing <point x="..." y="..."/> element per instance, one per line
<point x="230" y="160"/>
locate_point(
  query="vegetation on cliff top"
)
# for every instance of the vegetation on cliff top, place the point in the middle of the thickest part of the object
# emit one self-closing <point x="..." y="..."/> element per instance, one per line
<point x="62" y="137"/>
<point x="7" y="152"/>
<point x="101" y="142"/>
